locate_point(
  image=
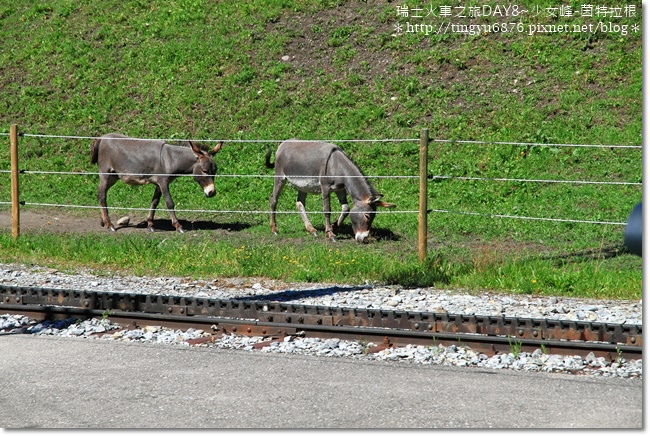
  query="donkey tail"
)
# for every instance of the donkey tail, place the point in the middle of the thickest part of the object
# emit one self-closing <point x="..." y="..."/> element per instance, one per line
<point x="94" y="151"/>
<point x="268" y="162"/>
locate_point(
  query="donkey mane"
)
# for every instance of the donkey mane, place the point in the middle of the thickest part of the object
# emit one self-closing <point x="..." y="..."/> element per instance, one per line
<point x="373" y="191"/>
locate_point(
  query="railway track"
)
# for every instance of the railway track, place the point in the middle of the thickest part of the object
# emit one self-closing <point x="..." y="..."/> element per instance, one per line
<point x="274" y="321"/>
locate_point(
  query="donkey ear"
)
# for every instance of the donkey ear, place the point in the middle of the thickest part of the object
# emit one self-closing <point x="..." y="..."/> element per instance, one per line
<point x="217" y="148"/>
<point x="196" y="149"/>
<point x="377" y="201"/>
<point x="384" y="204"/>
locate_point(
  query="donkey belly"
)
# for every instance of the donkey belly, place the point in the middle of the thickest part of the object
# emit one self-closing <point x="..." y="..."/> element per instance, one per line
<point x="305" y="184"/>
<point x="131" y="180"/>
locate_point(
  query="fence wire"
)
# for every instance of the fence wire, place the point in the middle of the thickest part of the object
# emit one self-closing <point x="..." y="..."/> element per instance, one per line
<point x="431" y="178"/>
<point x="253" y="141"/>
<point x="211" y="211"/>
<point x="447" y="141"/>
<point x="532" y="144"/>
<point x="268" y="176"/>
<point x="287" y="212"/>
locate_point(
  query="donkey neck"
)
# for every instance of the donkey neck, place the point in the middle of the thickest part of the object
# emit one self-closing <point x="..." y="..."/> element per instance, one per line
<point x="355" y="182"/>
<point x="176" y="159"/>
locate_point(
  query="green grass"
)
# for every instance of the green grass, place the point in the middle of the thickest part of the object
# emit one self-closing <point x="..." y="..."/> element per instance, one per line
<point x="215" y="70"/>
<point x="204" y="255"/>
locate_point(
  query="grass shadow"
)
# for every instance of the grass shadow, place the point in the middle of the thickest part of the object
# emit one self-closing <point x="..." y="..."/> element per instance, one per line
<point x="165" y="225"/>
<point x="377" y="233"/>
<point x="586" y="255"/>
<point x="291" y="294"/>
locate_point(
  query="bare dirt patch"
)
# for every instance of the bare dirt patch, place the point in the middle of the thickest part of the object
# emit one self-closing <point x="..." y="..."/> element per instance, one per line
<point x="50" y="222"/>
<point x="59" y="222"/>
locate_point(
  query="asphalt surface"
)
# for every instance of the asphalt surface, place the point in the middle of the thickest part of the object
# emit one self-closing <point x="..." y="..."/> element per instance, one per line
<point x="49" y="382"/>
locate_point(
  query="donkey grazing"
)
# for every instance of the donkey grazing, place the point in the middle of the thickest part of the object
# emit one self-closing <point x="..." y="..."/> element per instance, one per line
<point x="323" y="168"/>
<point x="138" y="162"/>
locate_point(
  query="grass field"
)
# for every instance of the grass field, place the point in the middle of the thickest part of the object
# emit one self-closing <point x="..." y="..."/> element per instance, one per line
<point x="337" y="70"/>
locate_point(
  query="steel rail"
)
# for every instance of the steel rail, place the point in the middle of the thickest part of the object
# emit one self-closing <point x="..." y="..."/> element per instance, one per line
<point x="275" y="321"/>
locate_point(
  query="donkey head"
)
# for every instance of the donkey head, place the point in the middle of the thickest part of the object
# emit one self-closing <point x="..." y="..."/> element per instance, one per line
<point x="363" y="213"/>
<point x="204" y="169"/>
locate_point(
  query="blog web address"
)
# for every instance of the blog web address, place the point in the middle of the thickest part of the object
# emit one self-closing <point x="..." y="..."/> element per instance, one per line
<point x="448" y="27"/>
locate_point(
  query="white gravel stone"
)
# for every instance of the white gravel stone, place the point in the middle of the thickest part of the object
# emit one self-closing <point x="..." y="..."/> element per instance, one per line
<point x="366" y="297"/>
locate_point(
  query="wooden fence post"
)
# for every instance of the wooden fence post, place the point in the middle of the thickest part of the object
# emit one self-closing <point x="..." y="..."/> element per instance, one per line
<point x="422" y="215"/>
<point x="15" y="207"/>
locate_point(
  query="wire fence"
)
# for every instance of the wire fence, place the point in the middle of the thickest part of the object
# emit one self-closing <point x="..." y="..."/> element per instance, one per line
<point x="268" y="176"/>
<point x="448" y="141"/>
<point x="432" y="178"/>
<point x="257" y="176"/>
<point x="280" y="212"/>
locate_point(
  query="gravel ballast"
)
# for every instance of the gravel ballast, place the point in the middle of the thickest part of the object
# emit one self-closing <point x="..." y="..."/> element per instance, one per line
<point x="368" y="296"/>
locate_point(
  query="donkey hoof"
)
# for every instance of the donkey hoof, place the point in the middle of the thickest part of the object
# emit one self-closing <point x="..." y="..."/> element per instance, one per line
<point x="180" y="230"/>
<point x="111" y="228"/>
<point x="151" y="229"/>
<point x="333" y="239"/>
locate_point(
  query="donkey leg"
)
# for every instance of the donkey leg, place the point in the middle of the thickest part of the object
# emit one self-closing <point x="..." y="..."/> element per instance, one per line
<point x="278" y="184"/>
<point x="345" y="207"/>
<point x="300" y="204"/>
<point x="327" y="211"/>
<point x="170" y="206"/>
<point x="105" y="182"/>
<point x="154" y="204"/>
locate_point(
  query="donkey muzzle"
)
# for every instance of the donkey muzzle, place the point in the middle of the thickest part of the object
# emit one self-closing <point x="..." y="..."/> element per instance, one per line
<point x="209" y="191"/>
<point x="361" y="236"/>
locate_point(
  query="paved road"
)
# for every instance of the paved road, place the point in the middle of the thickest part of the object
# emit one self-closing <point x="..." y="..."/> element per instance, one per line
<point x="48" y="382"/>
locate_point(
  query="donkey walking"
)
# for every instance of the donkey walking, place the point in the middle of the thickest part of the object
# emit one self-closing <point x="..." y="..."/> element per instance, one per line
<point x="139" y="162"/>
<point x="322" y="168"/>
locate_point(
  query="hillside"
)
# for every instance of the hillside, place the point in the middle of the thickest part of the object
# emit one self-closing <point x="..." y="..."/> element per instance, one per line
<point x="275" y="69"/>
